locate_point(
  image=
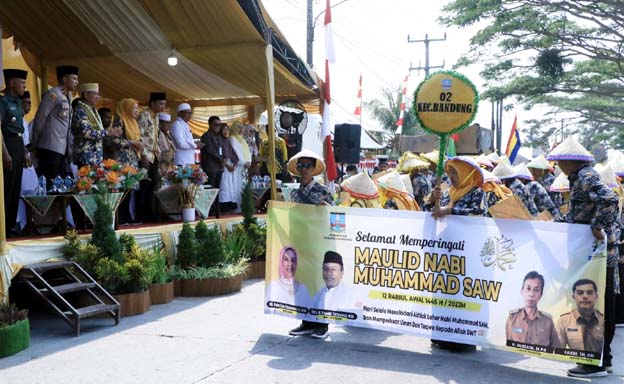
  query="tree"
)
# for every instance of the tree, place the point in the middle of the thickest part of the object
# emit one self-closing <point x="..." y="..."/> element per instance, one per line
<point x="564" y="54"/>
<point x="387" y="110"/>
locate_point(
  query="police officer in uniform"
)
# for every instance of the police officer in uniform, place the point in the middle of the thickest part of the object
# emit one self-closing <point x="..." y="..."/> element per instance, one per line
<point x="528" y="324"/>
<point x="583" y="328"/>
<point x="13" y="152"/>
<point x="51" y="127"/>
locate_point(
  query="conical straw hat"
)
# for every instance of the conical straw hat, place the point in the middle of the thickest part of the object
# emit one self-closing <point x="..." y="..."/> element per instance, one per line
<point x="618" y="166"/>
<point x="493" y="157"/>
<point x="523" y="172"/>
<point x="489" y="176"/>
<point x="570" y="149"/>
<point x="484" y="161"/>
<point x="410" y="161"/>
<point x="539" y="162"/>
<point x="432" y="156"/>
<point x="561" y="183"/>
<point x="318" y="169"/>
<point x="504" y="170"/>
<point x="407" y="182"/>
<point x="469" y="161"/>
<point x="393" y="181"/>
<point x="607" y="175"/>
<point x="360" y="186"/>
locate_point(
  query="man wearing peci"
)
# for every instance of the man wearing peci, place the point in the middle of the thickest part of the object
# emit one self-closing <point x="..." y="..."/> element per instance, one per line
<point x="528" y="324"/>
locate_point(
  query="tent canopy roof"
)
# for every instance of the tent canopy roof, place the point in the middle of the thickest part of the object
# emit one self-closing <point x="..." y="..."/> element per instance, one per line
<point x="124" y="45"/>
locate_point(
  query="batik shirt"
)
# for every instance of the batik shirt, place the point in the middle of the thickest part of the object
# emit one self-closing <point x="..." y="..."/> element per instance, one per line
<point x="148" y="123"/>
<point x="88" y="135"/>
<point x="593" y="203"/>
<point x="313" y="193"/>
<point x="421" y="187"/>
<point x="123" y="152"/>
<point x="491" y="199"/>
<point x="542" y="199"/>
<point x="523" y="193"/>
<point x="471" y="204"/>
<point x="556" y="197"/>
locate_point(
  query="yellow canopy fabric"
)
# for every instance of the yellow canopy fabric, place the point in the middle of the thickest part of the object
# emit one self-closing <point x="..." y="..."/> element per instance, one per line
<point x="124" y="45"/>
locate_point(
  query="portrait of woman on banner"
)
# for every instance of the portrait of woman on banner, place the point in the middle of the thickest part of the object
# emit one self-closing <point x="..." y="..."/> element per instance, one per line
<point x="287" y="289"/>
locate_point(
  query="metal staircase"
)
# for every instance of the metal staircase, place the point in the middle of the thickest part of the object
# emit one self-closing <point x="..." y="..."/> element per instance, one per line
<point x="70" y="291"/>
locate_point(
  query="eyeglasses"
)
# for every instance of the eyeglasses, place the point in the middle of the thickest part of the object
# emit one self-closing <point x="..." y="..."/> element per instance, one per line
<point x="305" y="165"/>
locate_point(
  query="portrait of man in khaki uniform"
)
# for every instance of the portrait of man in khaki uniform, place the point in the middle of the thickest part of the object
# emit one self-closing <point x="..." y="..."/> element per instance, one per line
<point x="529" y="325"/>
<point x="583" y="328"/>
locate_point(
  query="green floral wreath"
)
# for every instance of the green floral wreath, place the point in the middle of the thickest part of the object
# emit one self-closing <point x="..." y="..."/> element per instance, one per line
<point x="444" y="136"/>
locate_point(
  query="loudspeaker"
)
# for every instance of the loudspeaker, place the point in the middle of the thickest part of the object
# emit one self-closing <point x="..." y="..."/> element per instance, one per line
<point x="347" y="143"/>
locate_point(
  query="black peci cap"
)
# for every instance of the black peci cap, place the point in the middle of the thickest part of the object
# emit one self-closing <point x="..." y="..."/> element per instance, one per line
<point x="11" y="73"/>
<point x="332" y="257"/>
<point x="157" y="96"/>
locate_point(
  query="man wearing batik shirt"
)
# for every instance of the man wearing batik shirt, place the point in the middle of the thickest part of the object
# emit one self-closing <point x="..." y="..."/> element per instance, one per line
<point x="542" y="199"/>
<point x="148" y="123"/>
<point x="421" y="186"/>
<point x="546" y="181"/>
<point x="87" y="128"/>
<point x="593" y="203"/>
<point x="523" y="193"/>
<point x="306" y="164"/>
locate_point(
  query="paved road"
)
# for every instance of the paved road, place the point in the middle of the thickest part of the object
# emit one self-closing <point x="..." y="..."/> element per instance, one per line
<point x="229" y="340"/>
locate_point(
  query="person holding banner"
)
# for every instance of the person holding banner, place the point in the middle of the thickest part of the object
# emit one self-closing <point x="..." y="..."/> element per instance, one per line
<point x="307" y="164"/>
<point x="593" y="203"/>
<point x="287" y="290"/>
<point x="465" y="197"/>
<point x="528" y="325"/>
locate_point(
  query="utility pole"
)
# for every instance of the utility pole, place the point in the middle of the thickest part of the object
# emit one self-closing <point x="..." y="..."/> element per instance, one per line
<point x="310" y="35"/>
<point x="427" y="40"/>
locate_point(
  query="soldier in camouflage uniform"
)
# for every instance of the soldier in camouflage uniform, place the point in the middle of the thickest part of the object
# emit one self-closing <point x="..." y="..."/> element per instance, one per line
<point x="593" y="203"/>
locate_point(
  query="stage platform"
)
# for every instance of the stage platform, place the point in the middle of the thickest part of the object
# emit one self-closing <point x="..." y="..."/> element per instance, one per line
<point x="36" y="249"/>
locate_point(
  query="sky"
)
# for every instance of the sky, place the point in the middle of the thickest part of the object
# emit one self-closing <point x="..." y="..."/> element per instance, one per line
<point x="370" y="38"/>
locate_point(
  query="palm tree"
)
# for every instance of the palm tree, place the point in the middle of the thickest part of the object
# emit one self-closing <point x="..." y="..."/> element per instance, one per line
<point x="387" y="110"/>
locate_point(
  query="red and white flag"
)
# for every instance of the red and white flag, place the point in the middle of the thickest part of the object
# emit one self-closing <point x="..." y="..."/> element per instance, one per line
<point x="358" y="107"/>
<point x="330" y="58"/>
<point x="399" y="122"/>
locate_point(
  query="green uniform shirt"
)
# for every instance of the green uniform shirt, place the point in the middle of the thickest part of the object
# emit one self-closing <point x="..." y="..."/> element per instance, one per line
<point x="12" y="115"/>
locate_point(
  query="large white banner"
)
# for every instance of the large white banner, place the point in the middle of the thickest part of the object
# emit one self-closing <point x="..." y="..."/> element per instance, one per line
<point x="531" y="287"/>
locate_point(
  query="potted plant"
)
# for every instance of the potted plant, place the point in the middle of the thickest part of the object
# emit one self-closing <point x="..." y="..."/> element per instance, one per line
<point x="14" y="329"/>
<point x="186" y="180"/>
<point x="207" y="263"/>
<point x="254" y="235"/>
<point x="123" y="268"/>
<point x="161" y="290"/>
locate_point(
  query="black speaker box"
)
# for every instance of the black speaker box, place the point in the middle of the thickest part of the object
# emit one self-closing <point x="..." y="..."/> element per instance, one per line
<point x="347" y="143"/>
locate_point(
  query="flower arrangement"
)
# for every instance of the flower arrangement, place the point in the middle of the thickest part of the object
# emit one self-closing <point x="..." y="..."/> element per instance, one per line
<point x="108" y="176"/>
<point x="187" y="180"/>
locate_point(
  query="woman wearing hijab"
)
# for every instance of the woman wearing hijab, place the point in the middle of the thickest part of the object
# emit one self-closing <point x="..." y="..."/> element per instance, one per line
<point x="287" y="289"/>
<point x="128" y="147"/>
<point x="464" y="198"/>
<point x="239" y="144"/>
<point x="231" y="181"/>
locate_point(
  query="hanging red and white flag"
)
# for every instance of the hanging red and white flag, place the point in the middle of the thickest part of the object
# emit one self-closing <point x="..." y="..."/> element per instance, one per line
<point x="358" y="107"/>
<point x="399" y="122"/>
<point x="330" y="58"/>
